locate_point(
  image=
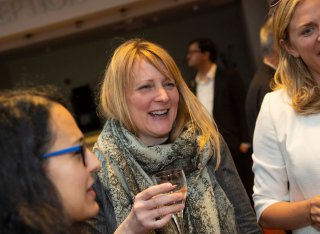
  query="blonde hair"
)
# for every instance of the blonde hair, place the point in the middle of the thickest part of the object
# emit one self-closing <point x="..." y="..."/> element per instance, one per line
<point x="293" y="74"/>
<point x="118" y="78"/>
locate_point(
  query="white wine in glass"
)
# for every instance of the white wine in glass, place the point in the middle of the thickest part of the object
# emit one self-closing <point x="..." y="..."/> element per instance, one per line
<point x="175" y="177"/>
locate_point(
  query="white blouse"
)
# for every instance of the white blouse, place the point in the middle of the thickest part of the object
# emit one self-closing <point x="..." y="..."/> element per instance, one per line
<point x="286" y="155"/>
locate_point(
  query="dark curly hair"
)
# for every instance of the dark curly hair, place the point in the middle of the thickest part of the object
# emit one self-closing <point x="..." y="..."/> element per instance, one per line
<point x="29" y="201"/>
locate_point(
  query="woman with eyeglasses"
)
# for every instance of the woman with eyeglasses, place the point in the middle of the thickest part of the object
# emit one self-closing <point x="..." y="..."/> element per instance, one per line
<point x="46" y="171"/>
<point x="286" y="139"/>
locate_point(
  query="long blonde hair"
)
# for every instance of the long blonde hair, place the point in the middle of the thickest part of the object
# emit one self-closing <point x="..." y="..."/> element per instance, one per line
<point x="117" y="78"/>
<point x="293" y="74"/>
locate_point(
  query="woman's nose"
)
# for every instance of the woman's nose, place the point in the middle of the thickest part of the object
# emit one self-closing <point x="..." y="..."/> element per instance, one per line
<point x="162" y="95"/>
<point x="93" y="163"/>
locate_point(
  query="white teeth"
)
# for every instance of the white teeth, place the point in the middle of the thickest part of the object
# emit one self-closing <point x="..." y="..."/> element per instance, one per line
<point x="159" y="112"/>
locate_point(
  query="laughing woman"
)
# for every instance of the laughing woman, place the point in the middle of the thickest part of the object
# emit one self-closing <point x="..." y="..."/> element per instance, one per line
<point x="153" y="123"/>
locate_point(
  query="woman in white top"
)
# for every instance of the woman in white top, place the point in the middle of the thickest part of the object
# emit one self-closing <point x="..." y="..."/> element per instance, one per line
<point x="286" y="146"/>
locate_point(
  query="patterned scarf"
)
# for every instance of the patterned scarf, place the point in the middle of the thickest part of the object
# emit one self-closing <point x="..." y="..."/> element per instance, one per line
<point x="127" y="167"/>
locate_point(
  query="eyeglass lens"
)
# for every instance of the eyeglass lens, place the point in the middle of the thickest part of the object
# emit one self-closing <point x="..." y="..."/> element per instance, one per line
<point x="83" y="151"/>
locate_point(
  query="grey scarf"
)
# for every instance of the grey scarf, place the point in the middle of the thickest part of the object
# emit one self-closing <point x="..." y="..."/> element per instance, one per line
<point x="127" y="167"/>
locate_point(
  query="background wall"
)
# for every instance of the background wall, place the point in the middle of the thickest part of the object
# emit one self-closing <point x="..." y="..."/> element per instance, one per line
<point x="75" y="62"/>
<point x="234" y="27"/>
<point x="254" y="13"/>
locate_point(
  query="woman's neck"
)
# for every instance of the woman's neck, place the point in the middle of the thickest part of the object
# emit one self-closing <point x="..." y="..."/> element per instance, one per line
<point x="153" y="141"/>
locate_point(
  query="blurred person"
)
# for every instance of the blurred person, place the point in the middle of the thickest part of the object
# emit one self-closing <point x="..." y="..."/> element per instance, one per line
<point x="261" y="82"/>
<point x="154" y="123"/>
<point x="47" y="171"/>
<point x="223" y="94"/>
<point x="286" y="147"/>
<point x="259" y="86"/>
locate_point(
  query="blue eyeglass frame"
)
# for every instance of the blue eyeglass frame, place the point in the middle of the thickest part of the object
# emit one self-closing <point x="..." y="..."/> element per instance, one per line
<point x="74" y="149"/>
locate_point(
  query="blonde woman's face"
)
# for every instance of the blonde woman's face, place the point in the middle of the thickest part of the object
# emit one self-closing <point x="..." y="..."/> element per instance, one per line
<point x="152" y="102"/>
<point x="71" y="173"/>
<point x="304" y="35"/>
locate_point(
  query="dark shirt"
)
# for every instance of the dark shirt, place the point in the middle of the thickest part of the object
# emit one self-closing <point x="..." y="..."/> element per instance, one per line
<point x="259" y="86"/>
<point x="229" y="108"/>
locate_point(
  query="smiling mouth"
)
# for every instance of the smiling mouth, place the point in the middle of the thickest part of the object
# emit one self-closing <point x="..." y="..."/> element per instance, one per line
<point x="159" y="113"/>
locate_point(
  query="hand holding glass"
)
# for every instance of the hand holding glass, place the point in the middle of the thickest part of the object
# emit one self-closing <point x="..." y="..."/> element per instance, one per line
<point x="177" y="178"/>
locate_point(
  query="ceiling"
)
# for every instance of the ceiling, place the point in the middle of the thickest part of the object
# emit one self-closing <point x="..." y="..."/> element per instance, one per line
<point x="129" y="16"/>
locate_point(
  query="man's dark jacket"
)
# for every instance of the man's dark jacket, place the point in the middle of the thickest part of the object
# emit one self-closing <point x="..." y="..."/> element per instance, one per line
<point x="258" y="88"/>
<point x="229" y="108"/>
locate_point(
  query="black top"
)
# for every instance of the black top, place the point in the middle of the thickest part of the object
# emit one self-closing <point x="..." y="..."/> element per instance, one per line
<point x="259" y="86"/>
<point x="229" y="108"/>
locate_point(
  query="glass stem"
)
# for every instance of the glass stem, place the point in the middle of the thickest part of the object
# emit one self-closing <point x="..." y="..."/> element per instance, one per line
<point x="180" y="225"/>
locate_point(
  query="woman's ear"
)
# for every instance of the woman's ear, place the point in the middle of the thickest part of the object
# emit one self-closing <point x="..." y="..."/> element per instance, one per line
<point x="289" y="48"/>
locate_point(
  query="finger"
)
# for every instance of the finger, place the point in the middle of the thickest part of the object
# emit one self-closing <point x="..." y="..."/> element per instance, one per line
<point x="158" y="212"/>
<point x="158" y="207"/>
<point x="315" y="211"/>
<point x="167" y="199"/>
<point x="159" y="223"/>
<point x="148" y="218"/>
<point x="161" y="200"/>
<point x="165" y="210"/>
<point x="315" y="216"/>
<point x="154" y="190"/>
<point x="157" y="201"/>
<point x="150" y="224"/>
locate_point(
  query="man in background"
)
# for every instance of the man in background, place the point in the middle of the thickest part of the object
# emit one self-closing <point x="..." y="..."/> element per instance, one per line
<point x="262" y="79"/>
<point x="222" y="92"/>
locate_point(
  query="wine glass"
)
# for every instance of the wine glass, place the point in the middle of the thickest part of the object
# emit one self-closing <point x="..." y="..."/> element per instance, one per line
<point x="175" y="177"/>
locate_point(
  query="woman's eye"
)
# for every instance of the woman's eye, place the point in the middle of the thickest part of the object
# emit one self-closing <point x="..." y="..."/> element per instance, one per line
<point x="145" y="87"/>
<point x="78" y="155"/>
<point x="170" y="85"/>
<point x="307" y="31"/>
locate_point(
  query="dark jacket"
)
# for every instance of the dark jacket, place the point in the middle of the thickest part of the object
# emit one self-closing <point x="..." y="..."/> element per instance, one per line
<point x="229" y="108"/>
<point x="259" y="86"/>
